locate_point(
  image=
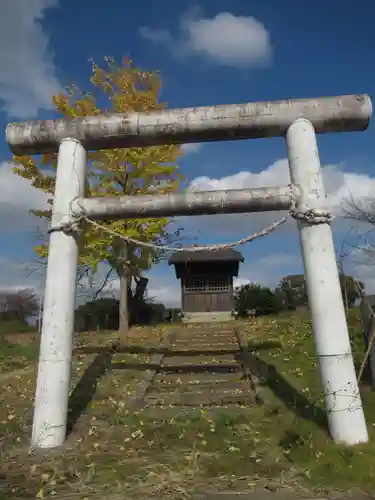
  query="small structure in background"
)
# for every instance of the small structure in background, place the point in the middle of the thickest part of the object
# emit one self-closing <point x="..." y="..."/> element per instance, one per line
<point x="206" y="283"/>
<point x="368" y="319"/>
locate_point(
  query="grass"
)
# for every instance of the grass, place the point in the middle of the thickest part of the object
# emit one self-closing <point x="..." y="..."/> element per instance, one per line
<point x="298" y="403"/>
<point x="17" y="356"/>
<point x="282" y="444"/>
<point x="17" y="346"/>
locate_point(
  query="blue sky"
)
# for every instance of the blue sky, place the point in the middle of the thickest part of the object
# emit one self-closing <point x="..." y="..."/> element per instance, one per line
<point x="214" y="52"/>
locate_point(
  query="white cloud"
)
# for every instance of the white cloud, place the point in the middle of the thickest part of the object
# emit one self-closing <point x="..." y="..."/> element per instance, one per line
<point x="17" y="198"/>
<point x="15" y="275"/>
<point x="339" y="186"/>
<point x="236" y="41"/>
<point x="193" y="147"/>
<point x="342" y="186"/>
<point x="358" y="261"/>
<point x="365" y="274"/>
<point x="359" y="256"/>
<point x="230" y="40"/>
<point x="238" y="282"/>
<point x="27" y="73"/>
<point x="274" y="175"/>
<point x="164" y="289"/>
<point x="269" y="269"/>
<point x="170" y="295"/>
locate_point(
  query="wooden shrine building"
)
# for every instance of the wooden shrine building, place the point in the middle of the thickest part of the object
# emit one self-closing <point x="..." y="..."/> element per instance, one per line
<point x="206" y="283"/>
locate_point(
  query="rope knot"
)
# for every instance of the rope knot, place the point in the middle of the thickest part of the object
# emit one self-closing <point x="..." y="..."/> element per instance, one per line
<point x="313" y="216"/>
<point x="69" y="227"/>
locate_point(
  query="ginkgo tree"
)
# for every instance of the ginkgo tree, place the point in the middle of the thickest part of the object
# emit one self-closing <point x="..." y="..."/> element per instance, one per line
<point x="115" y="88"/>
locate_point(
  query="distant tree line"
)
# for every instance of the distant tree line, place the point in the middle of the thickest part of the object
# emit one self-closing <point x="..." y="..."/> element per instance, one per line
<point x="103" y="314"/>
<point x="18" y="309"/>
<point x="289" y="295"/>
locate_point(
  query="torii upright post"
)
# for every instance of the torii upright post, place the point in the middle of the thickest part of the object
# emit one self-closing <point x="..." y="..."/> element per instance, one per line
<point x="55" y="358"/>
<point x="343" y="404"/>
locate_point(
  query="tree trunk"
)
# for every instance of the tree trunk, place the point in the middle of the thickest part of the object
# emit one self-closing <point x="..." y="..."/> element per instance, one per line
<point x="137" y="300"/>
<point x="124" y="286"/>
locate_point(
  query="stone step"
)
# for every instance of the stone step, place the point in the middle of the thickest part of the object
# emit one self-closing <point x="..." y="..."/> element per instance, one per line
<point x="198" y="350"/>
<point x="201" y="399"/>
<point x="204" y="378"/>
<point x="205" y="331"/>
<point x="201" y="368"/>
<point x="224" y="386"/>
<point x="205" y="335"/>
<point x="217" y="340"/>
<point x="196" y="360"/>
<point x="206" y="346"/>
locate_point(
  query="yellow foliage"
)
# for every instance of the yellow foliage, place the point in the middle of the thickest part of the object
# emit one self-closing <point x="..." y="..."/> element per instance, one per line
<point x="133" y="171"/>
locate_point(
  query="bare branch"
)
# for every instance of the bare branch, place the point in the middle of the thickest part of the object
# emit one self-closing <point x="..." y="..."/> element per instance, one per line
<point x="105" y="281"/>
<point x="361" y="211"/>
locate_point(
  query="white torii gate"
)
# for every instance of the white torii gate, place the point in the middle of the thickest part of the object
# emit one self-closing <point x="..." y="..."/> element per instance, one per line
<point x="298" y="120"/>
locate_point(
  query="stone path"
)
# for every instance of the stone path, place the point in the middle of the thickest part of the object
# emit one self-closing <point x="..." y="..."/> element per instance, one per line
<point x="202" y="366"/>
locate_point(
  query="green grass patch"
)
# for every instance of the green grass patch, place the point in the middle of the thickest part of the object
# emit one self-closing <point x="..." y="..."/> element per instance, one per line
<point x="7" y="327"/>
<point x="17" y="356"/>
<point x="292" y="381"/>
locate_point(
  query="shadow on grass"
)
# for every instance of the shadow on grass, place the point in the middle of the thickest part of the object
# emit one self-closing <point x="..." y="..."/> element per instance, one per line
<point x="85" y="389"/>
<point x="367" y="379"/>
<point x="289" y="395"/>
